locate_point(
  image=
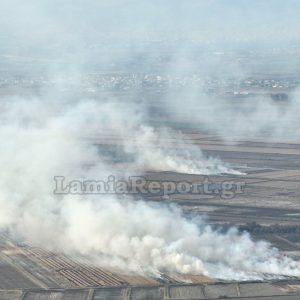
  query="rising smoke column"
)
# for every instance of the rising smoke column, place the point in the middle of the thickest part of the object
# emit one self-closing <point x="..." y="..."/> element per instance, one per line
<point x="42" y="141"/>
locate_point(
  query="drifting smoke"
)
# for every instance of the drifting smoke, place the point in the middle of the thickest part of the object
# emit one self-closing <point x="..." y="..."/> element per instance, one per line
<point x="45" y="140"/>
<point x="256" y="116"/>
<point x="49" y="135"/>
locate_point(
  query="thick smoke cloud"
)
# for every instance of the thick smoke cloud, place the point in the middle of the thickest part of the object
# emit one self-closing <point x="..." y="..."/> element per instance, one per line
<point x="144" y="237"/>
<point x="47" y="134"/>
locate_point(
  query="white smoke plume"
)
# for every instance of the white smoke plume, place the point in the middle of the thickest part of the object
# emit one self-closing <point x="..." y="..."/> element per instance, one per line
<point x="55" y="132"/>
<point x="43" y="141"/>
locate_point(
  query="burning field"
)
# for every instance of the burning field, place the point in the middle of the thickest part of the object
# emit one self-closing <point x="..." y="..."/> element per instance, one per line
<point x="170" y="166"/>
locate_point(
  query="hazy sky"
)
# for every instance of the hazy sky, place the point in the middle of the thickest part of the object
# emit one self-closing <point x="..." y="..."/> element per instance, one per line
<point x="42" y="24"/>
